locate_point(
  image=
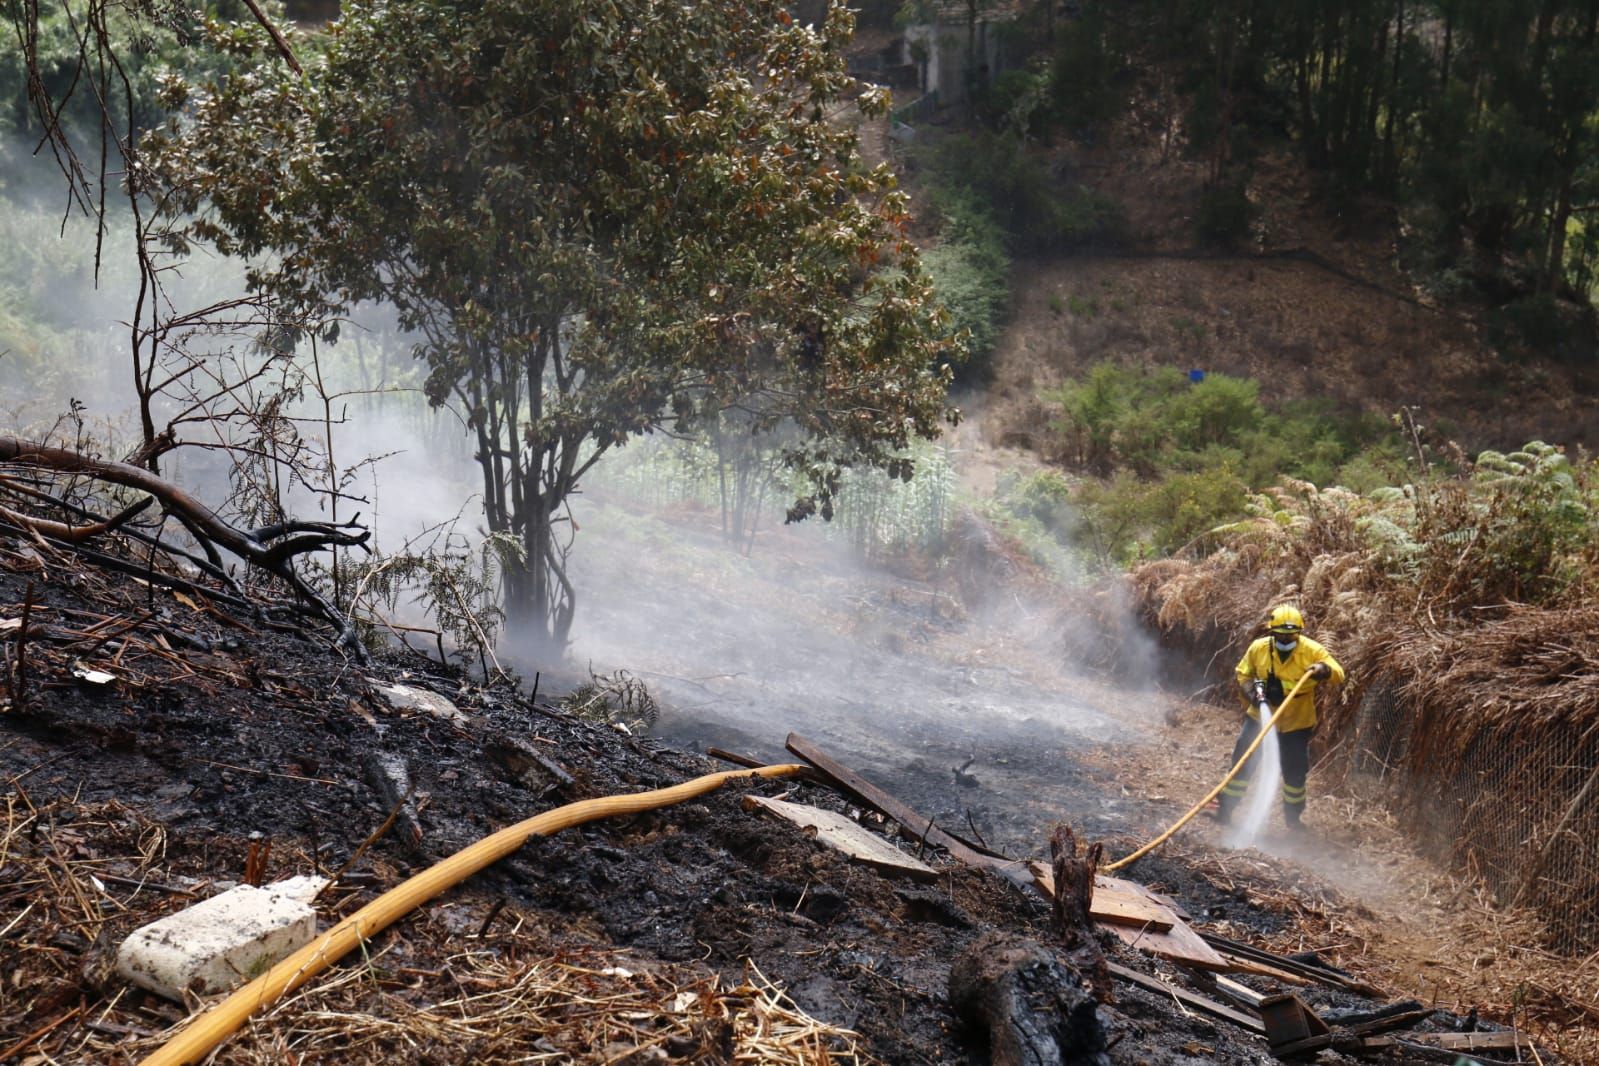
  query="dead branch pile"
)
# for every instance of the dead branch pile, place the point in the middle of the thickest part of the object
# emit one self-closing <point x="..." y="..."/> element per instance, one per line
<point x="50" y="495"/>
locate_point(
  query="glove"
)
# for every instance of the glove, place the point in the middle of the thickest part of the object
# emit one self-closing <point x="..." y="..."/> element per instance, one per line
<point x="1320" y="671"/>
<point x="1257" y="693"/>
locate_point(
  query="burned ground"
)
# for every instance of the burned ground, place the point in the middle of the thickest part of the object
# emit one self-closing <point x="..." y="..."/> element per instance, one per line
<point x="222" y="736"/>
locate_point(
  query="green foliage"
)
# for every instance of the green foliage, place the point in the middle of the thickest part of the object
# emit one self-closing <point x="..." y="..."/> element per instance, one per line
<point x="59" y="336"/>
<point x="1087" y="83"/>
<point x="148" y="40"/>
<point x="1516" y="528"/>
<point x="1127" y="519"/>
<point x="600" y="228"/>
<point x="1017" y="102"/>
<point x="1519" y="528"/>
<point x="970" y="271"/>
<point x="1036" y="212"/>
<point x="454" y="585"/>
<point x="1039" y="512"/>
<point x="1479" y="118"/>
<point x="620" y="700"/>
<point x="882" y="516"/>
<point x="1173" y="459"/>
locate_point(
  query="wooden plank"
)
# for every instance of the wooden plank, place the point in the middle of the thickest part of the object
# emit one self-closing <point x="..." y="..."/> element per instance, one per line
<point x="1119" y="907"/>
<point x="1507" y="1041"/>
<point x="1242" y="993"/>
<point x="1262" y="957"/>
<point x="837" y="831"/>
<point x="1175" y="907"/>
<point x="1192" y="1000"/>
<point x="1115" y="902"/>
<point x="1238" y="964"/>
<point x="1178" y="942"/>
<point x="910" y="823"/>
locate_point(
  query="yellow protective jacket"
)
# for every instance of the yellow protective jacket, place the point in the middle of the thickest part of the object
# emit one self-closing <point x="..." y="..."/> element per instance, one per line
<point x="1262" y="660"/>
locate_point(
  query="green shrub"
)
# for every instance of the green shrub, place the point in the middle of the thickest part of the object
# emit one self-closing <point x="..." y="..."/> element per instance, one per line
<point x="1521" y="528"/>
<point x="971" y="275"/>
<point x="1127" y="519"/>
<point x="1017" y="102"/>
<point x="1173" y="459"/>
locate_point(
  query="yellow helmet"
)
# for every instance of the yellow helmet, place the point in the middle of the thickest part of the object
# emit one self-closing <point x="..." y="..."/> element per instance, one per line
<point x="1285" y="619"/>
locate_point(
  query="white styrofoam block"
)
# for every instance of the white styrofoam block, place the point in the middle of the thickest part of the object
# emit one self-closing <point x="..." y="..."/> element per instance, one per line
<point x="217" y="943"/>
<point x="410" y="698"/>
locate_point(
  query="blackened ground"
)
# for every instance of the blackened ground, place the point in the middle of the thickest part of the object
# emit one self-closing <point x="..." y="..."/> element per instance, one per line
<point x="269" y="738"/>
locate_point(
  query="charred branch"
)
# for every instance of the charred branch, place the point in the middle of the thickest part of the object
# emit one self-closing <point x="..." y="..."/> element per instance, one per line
<point x="270" y="549"/>
<point x="1034" y="1008"/>
<point x="1074" y="894"/>
<point x="69" y="533"/>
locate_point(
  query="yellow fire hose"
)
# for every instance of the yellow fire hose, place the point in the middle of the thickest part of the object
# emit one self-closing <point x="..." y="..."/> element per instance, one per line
<point x="1196" y="808"/>
<point x="208" y="1030"/>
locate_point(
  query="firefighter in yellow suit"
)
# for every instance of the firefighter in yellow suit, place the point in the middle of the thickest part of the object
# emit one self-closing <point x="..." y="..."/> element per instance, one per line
<point x="1271" y="668"/>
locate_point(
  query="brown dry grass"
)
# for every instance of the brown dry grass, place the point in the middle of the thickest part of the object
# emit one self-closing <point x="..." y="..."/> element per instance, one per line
<point x="460" y="983"/>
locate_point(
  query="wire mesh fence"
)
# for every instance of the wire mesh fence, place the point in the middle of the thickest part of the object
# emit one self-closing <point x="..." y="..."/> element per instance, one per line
<point x="1519" y="810"/>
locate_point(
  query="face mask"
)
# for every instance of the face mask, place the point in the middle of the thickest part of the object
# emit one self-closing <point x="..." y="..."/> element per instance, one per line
<point x="1285" y="645"/>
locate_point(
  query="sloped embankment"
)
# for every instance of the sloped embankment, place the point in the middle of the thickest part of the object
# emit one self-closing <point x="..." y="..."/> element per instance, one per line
<point x="1476" y="720"/>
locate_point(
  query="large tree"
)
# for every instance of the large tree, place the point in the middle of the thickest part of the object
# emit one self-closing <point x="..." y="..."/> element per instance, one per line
<point x="602" y="219"/>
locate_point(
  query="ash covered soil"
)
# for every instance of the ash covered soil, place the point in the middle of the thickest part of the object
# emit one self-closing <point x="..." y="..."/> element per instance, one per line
<point x="223" y="738"/>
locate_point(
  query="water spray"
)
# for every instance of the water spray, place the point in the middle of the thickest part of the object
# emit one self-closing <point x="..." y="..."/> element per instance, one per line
<point x="1265" y="783"/>
<point x="1213" y="793"/>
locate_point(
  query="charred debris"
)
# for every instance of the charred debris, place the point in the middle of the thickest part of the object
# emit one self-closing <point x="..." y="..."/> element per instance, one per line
<point x="169" y="729"/>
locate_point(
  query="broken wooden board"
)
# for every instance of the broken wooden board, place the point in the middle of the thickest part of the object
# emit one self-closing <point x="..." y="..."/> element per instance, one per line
<point x="1188" y="999"/>
<point x="1115" y="902"/>
<point x="1506" y="1041"/>
<point x="1117" y="905"/>
<point x="911" y="824"/>
<point x="1260" y="957"/>
<point x="1177" y="942"/>
<point x="1239" y="964"/>
<point x="840" y="833"/>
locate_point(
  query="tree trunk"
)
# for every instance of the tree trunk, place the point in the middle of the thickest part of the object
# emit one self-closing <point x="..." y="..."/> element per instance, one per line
<point x="1560" y="218"/>
<point x="1033" y="1007"/>
<point x="1074" y="892"/>
<point x="1449" y="48"/>
<point x="1390" y="163"/>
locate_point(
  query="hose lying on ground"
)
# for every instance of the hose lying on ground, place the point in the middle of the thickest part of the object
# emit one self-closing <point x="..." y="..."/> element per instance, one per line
<point x="1234" y="772"/>
<point x="208" y="1030"/>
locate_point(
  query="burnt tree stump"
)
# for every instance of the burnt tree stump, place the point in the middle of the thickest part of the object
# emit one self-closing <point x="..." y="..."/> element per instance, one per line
<point x="1035" y="1009"/>
<point x="1074" y="892"/>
